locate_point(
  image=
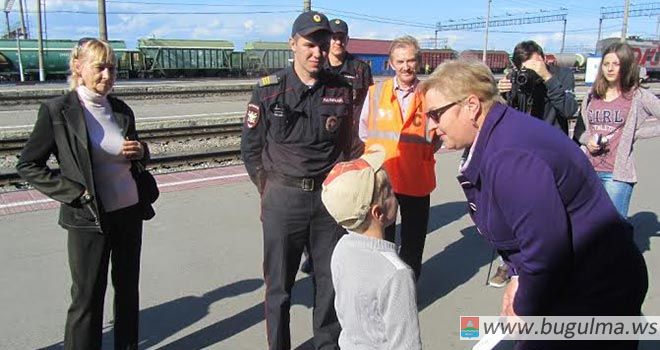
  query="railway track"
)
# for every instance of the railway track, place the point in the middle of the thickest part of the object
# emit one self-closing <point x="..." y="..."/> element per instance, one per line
<point x="16" y="143"/>
<point x="10" y="147"/>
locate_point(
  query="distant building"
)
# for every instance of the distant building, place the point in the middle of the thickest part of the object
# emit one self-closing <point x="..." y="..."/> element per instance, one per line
<point x="374" y="52"/>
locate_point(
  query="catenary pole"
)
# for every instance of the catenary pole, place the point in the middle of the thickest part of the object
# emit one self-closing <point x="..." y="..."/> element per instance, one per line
<point x="103" y="27"/>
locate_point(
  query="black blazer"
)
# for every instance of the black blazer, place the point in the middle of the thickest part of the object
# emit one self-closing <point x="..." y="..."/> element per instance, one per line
<point x="61" y="130"/>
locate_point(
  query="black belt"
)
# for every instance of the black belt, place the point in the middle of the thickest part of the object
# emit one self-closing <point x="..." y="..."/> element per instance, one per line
<point x="307" y="184"/>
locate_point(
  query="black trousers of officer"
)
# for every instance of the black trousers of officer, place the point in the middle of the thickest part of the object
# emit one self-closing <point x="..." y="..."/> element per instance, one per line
<point x="89" y="257"/>
<point x="414" y="226"/>
<point x="292" y="219"/>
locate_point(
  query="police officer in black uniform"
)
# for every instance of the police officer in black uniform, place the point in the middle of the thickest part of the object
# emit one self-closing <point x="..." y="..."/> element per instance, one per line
<point x="354" y="70"/>
<point x="298" y="125"/>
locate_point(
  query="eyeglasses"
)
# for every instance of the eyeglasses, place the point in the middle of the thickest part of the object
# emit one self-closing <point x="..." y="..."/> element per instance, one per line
<point x="435" y="114"/>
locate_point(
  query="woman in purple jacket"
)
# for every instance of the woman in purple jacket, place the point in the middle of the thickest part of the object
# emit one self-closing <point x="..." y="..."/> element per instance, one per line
<point x="536" y="198"/>
<point x="616" y="114"/>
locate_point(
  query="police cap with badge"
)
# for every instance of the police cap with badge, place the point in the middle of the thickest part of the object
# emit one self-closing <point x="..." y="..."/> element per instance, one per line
<point x="338" y="26"/>
<point x="310" y="22"/>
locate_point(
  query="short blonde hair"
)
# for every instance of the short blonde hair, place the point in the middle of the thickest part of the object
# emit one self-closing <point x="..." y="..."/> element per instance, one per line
<point x="403" y="42"/>
<point x="98" y="50"/>
<point x="456" y="79"/>
<point x="381" y="184"/>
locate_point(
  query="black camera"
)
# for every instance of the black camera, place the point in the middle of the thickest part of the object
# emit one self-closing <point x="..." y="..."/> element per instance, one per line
<point x="523" y="80"/>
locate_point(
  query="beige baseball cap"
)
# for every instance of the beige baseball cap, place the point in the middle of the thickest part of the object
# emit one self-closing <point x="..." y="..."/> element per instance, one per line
<point x="349" y="188"/>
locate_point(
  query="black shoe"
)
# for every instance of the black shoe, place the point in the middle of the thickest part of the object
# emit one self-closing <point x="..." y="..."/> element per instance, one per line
<point x="307" y="266"/>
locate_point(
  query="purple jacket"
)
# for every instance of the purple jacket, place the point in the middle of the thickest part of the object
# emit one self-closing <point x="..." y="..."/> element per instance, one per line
<point x="535" y="197"/>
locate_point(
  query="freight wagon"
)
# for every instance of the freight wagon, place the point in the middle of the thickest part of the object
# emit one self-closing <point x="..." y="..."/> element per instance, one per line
<point x="265" y="57"/>
<point x="183" y="58"/>
<point x="190" y="58"/>
<point x="496" y="60"/>
<point x="431" y="58"/>
<point x="56" y="58"/>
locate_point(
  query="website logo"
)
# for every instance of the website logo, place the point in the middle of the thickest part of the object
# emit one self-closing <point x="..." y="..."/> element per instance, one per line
<point x="469" y="327"/>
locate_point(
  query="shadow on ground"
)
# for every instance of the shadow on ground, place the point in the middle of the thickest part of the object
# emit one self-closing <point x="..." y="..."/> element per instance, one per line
<point x="646" y="226"/>
<point x="161" y="321"/>
<point x="443" y="272"/>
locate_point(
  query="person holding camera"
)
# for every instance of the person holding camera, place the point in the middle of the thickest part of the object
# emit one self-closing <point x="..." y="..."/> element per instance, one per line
<point x="614" y="115"/>
<point x="545" y="92"/>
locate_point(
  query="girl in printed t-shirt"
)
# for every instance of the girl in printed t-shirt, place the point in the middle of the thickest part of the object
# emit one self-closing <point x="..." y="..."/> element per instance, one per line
<point x="616" y="114"/>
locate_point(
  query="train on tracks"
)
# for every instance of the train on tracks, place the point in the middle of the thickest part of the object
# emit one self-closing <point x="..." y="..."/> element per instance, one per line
<point x="173" y="58"/>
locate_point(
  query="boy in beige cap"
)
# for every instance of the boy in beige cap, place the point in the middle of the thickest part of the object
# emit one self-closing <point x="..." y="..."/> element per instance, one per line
<point x="375" y="290"/>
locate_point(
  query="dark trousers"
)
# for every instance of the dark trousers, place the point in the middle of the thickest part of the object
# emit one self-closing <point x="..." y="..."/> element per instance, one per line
<point x="414" y="226"/>
<point x="89" y="257"/>
<point x="293" y="219"/>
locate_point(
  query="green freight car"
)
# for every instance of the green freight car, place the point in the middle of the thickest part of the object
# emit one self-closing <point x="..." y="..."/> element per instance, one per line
<point x="265" y="57"/>
<point x="183" y="58"/>
<point x="56" y="58"/>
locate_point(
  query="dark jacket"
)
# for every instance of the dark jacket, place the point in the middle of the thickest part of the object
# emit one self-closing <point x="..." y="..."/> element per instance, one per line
<point x="358" y="74"/>
<point x="293" y="130"/>
<point x="60" y="130"/>
<point x="554" y="100"/>
<point x="536" y="198"/>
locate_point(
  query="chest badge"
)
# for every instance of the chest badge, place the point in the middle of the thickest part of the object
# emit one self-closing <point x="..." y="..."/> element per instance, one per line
<point x="278" y="111"/>
<point x="333" y="100"/>
<point x="332" y="123"/>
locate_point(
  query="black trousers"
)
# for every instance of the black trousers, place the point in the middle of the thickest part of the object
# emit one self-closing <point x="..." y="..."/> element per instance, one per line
<point x="89" y="257"/>
<point x="293" y="219"/>
<point x="414" y="226"/>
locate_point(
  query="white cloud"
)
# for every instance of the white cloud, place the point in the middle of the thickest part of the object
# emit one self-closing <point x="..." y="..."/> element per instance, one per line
<point x="275" y="28"/>
<point x="248" y="25"/>
<point x="201" y="33"/>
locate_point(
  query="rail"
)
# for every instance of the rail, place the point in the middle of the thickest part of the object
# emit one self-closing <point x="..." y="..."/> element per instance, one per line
<point x="218" y="156"/>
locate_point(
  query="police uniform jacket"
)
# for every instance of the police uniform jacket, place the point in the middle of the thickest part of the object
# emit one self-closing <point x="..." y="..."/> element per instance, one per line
<point x="536" y="198"/>
<point x="61" y="130"/>
<point x="358" y="74"/>
<point x="294" y="130"/>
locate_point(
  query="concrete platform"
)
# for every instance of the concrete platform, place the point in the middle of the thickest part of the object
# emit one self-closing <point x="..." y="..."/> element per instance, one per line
<point x="201" y="279"/>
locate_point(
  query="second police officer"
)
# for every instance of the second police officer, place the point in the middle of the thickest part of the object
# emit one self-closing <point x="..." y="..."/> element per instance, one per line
<point x="297" y="126"/>
<point x="356" y="72"/>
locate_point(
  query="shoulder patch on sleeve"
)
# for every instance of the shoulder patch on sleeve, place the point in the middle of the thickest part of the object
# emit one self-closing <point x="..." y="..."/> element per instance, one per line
<point x="252" y="115"/>
<point x="395" y="260"/>
<point x="269" y="80"/>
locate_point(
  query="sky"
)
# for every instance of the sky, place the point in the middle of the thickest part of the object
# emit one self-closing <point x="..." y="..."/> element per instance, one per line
<point x="250" y="20"/>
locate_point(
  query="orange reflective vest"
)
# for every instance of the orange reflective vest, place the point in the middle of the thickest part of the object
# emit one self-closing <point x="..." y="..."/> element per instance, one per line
<point x="409" y="160"/>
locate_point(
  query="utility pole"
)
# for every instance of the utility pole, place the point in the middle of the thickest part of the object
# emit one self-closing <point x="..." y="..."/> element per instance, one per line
<point x="624" y="29"/>
<point x="23" y="30"/>
<point x="307" y="5"/>
<point x="40" y="44"/>
<point x="563" y="38"/>
<point x="657" y="29"/>
<point x="103" y="27"/>
<point x="8" y="6"/>
<point x="483" y="58"/>
<point x="7" y="17"/>
<point x="600" y="27"/>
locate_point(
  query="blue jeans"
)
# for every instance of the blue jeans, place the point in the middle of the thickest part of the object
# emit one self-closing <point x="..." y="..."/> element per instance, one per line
<point x="619" y="191"/>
